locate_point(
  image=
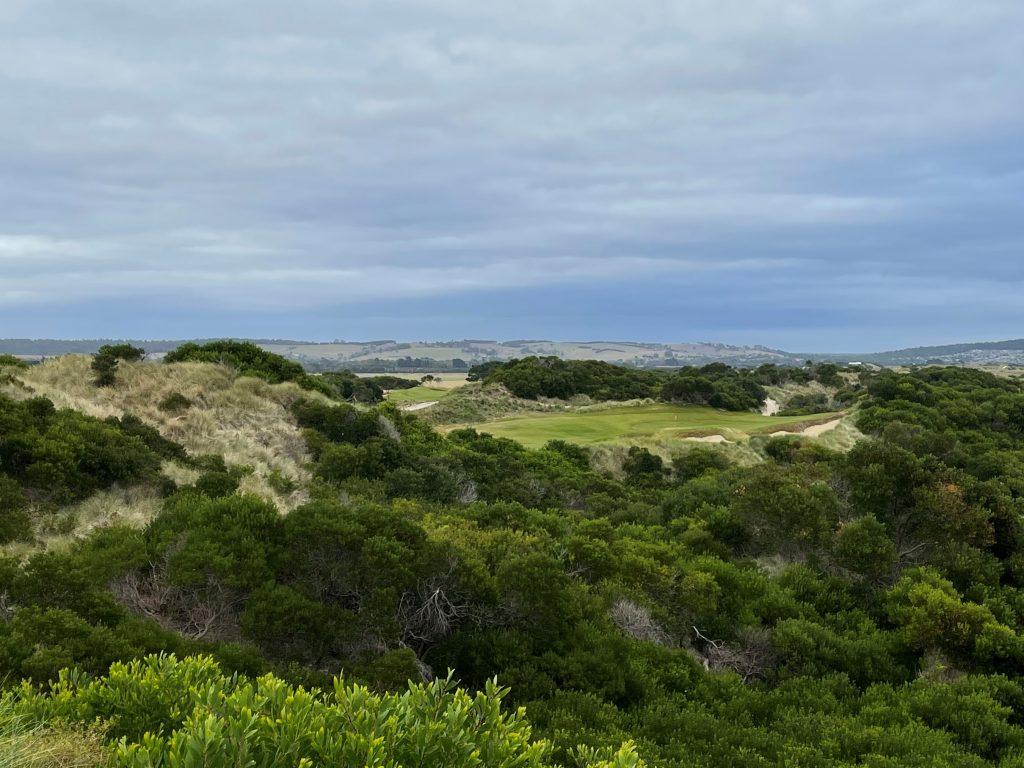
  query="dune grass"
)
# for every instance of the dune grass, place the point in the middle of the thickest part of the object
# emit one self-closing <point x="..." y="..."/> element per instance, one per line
<point x="25" y="743"/>
<point x="134" y="507"/>
<point x="661" y="421"/>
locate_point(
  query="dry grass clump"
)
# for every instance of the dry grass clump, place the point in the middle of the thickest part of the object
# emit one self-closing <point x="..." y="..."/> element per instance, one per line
<point x="27" y="745"/>
<point x="245" y="420"/>
<point x="636" y="621"/>
<point x="134" y="507"/>
<point x="786" y="392"/>
<point x="842" y="438"/>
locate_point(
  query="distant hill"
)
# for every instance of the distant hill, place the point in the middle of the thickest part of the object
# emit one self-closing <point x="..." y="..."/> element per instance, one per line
<point x="397" y="355"/>
<point x="1009" y="352"/>
<point x="419" y="356"/>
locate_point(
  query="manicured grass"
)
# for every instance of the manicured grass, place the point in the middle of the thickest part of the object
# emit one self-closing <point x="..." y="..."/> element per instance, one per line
<point x="418" y="395"/>
<point x="641" y="421"/>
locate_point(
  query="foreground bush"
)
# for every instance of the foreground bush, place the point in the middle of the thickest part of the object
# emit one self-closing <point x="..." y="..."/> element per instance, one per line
<point x="164" y="712"/>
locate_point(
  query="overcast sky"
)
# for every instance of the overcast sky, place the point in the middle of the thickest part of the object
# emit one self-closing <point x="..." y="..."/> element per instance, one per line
<point x="806" y="174"/>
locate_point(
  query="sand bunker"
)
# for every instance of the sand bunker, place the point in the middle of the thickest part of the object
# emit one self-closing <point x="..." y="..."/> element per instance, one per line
<point x="812" y="431"/>
<point x="417" y="406"/>
<point x="708" y="439"/>
<point x="820" y="429"/>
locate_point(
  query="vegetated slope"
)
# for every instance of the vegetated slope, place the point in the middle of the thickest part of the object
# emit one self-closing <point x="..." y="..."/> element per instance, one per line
<point x="716" y="613"/>
<point x="245" y="420"/>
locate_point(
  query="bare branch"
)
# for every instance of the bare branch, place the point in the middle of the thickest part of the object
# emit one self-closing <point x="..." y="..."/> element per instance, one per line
<point x="636" y="621"/>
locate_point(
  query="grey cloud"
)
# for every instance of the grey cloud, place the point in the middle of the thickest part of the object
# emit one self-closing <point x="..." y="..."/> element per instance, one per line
<point x="325" y="151"/>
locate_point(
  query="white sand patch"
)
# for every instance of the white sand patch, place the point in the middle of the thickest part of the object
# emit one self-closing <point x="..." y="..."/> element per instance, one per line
<point x="708" y="439"/>
<point x="820" y="429"/>
<point x="770" y="407"/>
<point x="418" y="406"/>
<point x="812" y="431"/>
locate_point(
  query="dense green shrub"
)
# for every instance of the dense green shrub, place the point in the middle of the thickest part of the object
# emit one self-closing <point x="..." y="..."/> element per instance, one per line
<point x="10" y="361"/>
<point x="151" y="437"/>
<point x="104" y="362"/>
<point x="15" y="521"/>
<point x="533" y="377"/>
<point x="62" y="455"/>
<point x="716" y="385"/>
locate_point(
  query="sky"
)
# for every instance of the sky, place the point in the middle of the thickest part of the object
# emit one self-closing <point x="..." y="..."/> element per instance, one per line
<point x="826" y="175"/>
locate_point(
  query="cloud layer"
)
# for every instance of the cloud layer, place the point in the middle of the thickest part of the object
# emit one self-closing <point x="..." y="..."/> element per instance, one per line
<point x="797" y="172"/>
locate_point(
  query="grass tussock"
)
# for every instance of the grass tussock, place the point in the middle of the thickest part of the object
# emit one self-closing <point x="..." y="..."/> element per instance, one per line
<point x="245" y="420"/>
<point x="842" y="438"/>
<point x="133" y="507"/>
<point x="24" y="744"/>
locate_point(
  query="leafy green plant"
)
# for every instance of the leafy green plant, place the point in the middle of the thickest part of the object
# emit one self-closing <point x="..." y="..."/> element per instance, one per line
<point x="166" y="712"/>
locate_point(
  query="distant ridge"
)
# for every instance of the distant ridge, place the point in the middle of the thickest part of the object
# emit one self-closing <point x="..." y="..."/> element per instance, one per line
<point x="1009" y="352"/>
<point x="414" y="355"/>
<point x="388" y="354"/>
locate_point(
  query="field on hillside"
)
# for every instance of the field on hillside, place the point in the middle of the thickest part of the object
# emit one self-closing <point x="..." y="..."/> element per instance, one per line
<point x="629" y="352"/>
<point x="642" y="421"/>
<point x="418" y="395"/>
<point x="442" y="379"/>
<point x="438" y="389"/>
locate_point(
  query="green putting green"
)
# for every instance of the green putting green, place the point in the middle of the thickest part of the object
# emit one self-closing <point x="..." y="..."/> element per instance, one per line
<point x="640" y="421"/>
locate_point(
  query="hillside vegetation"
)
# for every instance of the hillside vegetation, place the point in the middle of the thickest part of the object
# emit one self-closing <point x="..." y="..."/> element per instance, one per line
<point x="244" y="420"/>
<point x="803" y="606"/>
